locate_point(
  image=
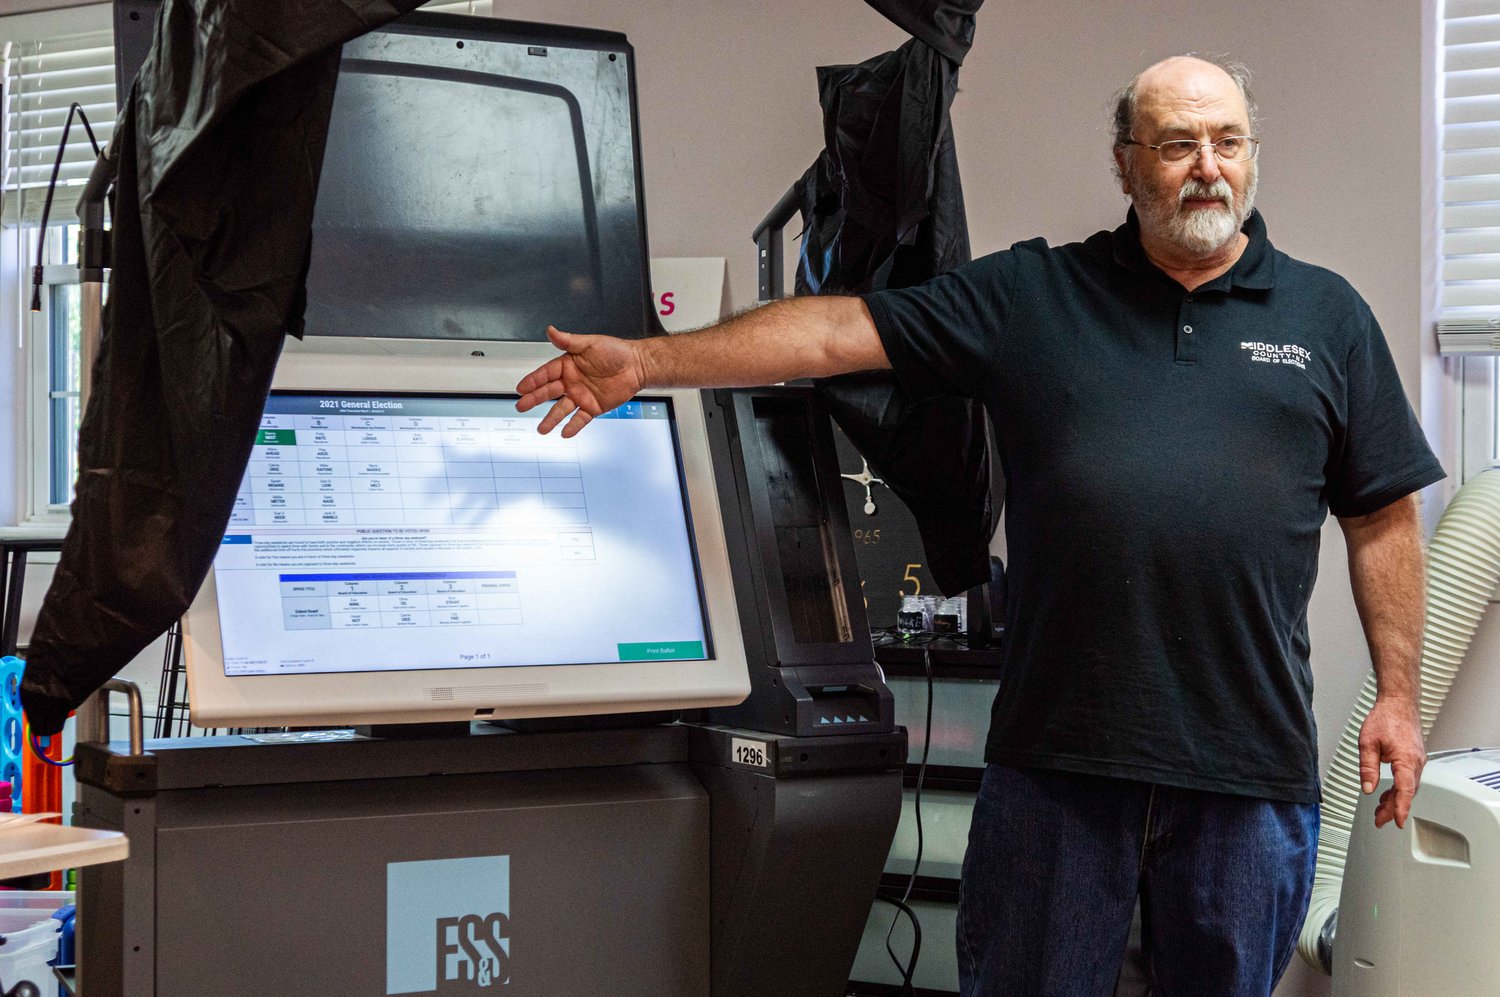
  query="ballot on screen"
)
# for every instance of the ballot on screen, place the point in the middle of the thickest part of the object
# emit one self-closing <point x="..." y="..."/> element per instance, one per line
<point x="405" y="546"/>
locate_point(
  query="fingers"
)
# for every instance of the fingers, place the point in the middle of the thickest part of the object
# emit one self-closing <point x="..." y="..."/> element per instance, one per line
<point x="535" y="396"/>
<point x="560" y="411"/>
<point x="552" y="370"/>
<point x="1385" y="810"/>
<point x="546" y="383"/>
<point x="1406" y="788"/>
<point x="549" y="372"/>
<point x="1369" y="763"/>
<point x="579" y="420"/>
<point x="564" y="408"/>
<point x="1392" y="733"/>
<point x="1395" y="803"/>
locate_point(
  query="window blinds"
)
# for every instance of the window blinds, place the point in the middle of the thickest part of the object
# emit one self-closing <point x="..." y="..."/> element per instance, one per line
<point x="41" y="80"/>
<point x="1470" y="291"/>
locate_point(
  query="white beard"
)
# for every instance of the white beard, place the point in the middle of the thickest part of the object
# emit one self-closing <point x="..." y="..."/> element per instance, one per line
<point x="1200" y="231"/>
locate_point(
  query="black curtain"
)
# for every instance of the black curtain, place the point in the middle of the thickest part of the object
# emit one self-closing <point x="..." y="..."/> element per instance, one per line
<point x="883" y="207"/>
<point x="219" y="150"/>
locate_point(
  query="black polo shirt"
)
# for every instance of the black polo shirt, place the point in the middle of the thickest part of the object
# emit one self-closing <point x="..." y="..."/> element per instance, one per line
<point x="1170" y="458"/>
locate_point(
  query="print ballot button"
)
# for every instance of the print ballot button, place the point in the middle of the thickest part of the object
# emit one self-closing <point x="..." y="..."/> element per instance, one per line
<point x="682" y="650"/>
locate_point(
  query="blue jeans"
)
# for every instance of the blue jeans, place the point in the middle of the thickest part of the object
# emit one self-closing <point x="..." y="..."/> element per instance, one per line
<point x="1056" y="861"/>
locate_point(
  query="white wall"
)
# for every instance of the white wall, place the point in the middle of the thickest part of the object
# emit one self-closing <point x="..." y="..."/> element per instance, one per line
<point x="33" y="6"/>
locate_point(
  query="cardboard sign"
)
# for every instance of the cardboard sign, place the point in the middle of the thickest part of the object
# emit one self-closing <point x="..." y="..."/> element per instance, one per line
<point x="690" y="292"/>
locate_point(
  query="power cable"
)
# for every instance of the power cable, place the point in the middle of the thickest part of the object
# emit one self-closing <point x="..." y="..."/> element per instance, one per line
<point x="908" y="971"/>
<point x="41" y="238"/>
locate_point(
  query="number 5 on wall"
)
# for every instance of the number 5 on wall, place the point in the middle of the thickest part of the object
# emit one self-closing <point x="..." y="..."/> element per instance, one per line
<point x="916" y="582"/>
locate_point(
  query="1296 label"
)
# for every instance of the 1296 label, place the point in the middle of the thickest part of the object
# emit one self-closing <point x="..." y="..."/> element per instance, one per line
<point x="746" y="752"/>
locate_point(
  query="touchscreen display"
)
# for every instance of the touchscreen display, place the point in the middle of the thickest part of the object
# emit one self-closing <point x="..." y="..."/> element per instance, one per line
<point x="390" y="532"/>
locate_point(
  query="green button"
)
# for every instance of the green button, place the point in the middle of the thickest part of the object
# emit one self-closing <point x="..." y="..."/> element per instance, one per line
<point x="682" y="650"/>
<point x="276" y="438"/>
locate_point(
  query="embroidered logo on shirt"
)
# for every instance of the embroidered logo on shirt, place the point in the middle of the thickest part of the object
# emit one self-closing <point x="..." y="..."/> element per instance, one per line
<point x="1288" y="353"/>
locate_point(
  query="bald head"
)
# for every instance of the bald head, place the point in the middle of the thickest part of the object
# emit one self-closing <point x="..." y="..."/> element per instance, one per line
<point x="1191" y="196"/>
<point x="1185" y="83"/>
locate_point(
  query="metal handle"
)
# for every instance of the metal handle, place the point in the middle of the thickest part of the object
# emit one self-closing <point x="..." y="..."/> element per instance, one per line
<point x="768" y="243"/>
<point x="91" y="325"/>
<point x="93" y="261"/>
<point x="93" y="715"/>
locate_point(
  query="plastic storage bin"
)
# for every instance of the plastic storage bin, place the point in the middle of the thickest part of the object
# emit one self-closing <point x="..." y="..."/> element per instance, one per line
<point x="45" y="901"/>
<point x="31" y="936"/>
<point x="30" y="943"/>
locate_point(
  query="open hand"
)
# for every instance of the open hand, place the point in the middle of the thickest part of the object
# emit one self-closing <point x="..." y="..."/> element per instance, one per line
<point x="594" y="374"/>
<point x="1392" y="732"/>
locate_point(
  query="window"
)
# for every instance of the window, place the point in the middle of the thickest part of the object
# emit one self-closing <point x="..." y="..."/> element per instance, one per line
<point x="54" y="376"/>
<point x="48" y="61"/>
<point x="1469" y="109"/>
<point x="1480" y="414"/>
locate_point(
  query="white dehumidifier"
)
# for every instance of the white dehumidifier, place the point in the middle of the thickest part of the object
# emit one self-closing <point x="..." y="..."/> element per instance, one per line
<point x="1419" y="915"/>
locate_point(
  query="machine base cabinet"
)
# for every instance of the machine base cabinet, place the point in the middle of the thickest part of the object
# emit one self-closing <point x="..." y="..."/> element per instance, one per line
<point x="563" y="864"/>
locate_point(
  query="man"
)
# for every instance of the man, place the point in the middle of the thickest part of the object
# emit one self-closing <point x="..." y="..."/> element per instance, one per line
<point x="1178" y="406"/>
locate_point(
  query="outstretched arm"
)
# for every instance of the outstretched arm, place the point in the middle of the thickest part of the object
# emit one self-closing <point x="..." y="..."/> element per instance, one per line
<point x="1385" y="569"/>
<point x="798" y="337"/>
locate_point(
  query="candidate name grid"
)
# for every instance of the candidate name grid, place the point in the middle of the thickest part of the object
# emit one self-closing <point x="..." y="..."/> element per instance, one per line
<point x="357" y="601"/>
<point x="411" y="470"/>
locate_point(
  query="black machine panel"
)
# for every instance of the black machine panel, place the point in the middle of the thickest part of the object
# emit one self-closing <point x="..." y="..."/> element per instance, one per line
<point x="537" y="214"/>
<point x="812" y="665"/>
<point x="797" y="522"/>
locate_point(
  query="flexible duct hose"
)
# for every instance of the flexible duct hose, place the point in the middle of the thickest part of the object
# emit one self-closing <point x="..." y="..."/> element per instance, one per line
<point x="1463" y="567"/>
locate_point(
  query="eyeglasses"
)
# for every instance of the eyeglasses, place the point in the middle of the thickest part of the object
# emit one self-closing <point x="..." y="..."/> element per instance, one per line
<point x="1229" y="149"/>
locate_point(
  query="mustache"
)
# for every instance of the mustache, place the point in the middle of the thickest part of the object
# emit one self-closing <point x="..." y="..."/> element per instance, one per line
<point x="1219" y="189"/>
